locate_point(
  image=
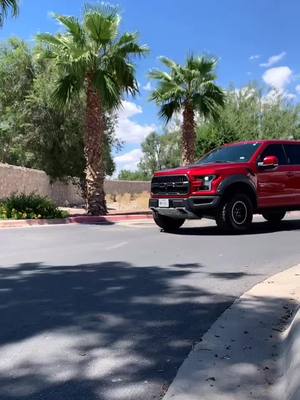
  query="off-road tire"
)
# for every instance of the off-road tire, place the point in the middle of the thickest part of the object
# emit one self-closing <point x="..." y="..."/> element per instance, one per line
<point x="168" y="224"/>
<point x="274" y="217"/>
<point x="235" y="213"/>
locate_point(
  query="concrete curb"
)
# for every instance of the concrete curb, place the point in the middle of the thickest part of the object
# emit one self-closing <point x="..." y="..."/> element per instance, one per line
<point x="240" y="357"/>
<point x="107" y="219"/>
<point x="290" y="382"/>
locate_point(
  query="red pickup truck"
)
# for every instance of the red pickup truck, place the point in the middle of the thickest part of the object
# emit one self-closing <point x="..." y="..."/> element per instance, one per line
<point x="230" y="184"/>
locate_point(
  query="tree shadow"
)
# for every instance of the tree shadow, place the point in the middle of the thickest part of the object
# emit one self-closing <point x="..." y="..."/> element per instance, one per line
<point x="229" y="275"/>
<point x="242" y="356"/>
<point x="105" y="331"/>
<point x="97" y="331"/>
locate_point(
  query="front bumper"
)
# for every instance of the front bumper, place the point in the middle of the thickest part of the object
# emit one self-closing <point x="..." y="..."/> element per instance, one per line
<point x="190" y="208"/>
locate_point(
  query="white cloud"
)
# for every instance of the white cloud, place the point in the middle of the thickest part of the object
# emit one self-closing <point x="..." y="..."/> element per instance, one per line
<point x="278" y="78"/>
<point x="297" y="89"/>
<point x="254" y="57"/>
<point x="273" y="60"/>
<point x="128" y="130"/>
<point x="128" y="160"/>
<point x="148" y="87"/>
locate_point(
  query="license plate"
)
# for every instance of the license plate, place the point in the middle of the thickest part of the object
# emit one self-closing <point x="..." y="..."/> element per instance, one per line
<point x="164" y="203"/>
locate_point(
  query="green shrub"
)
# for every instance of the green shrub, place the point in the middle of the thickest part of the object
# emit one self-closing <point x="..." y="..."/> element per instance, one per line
<point x="30" y="206"/>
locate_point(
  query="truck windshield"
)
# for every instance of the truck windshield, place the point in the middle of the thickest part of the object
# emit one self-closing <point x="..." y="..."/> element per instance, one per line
<point x="240" y="153"/>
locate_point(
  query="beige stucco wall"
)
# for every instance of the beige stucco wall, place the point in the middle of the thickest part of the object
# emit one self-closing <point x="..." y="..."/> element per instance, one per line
<point x="24" y="180"/>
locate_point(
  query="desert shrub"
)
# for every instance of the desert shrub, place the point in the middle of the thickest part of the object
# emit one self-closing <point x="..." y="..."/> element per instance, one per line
<point x="32" y="206"/>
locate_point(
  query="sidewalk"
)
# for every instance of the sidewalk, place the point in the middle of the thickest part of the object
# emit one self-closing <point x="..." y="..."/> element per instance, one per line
<point x="240" y="357"/>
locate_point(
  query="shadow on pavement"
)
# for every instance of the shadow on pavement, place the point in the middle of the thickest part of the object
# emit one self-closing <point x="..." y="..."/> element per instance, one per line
<point x="100" y="331"/>
<point x="256" y="228"/>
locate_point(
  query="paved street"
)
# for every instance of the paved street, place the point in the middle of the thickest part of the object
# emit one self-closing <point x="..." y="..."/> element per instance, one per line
<point x="110" y="312"/>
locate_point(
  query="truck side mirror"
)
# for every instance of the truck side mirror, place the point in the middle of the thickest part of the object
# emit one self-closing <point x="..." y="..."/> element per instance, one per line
<point x="269" y="162"/>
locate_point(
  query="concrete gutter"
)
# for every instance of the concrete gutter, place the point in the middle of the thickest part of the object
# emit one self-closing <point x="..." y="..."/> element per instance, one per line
<point x="245" y="355"/>
<point x="289" y="387"/>
<point x="80" y="219"/>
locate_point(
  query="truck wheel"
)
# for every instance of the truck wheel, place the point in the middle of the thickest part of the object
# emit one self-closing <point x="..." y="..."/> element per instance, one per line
<point x="235" y="214"/>
<point x="274" y="217"/>
<point x="168" y="224"/>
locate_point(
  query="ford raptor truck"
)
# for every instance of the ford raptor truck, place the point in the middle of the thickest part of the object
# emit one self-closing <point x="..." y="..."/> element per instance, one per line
<point x="230" y="184"/>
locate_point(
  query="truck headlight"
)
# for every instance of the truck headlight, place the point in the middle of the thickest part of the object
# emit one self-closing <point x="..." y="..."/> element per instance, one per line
<point x="200" y="183"/>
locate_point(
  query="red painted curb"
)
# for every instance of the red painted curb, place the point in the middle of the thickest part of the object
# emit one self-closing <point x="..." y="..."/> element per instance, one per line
<point x="108" y="219"/>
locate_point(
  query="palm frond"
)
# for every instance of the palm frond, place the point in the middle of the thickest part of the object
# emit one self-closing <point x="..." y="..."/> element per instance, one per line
<point x="109" y="88"/>
<point x="7" y="6"/>
<point x="167" y="110"/>
<point x="169" y="63"/>
<point x="171" y="90"/>
<point x="101" y="28"/>
<point x="128" y="38"/>
<point x="73" y="27"/>
<point x="202" y="64"/>
<point x="192" y="82"/>
<point x="93" y="49"/>
<point x="160" y="75"/>
<point x="66" y="86"/>
<point x="210" y="100"/>
<point x="124" y="73"/>
<point x="106" y="9"/>
<point x="49" y="39"/>
<point x="127" y="46"/>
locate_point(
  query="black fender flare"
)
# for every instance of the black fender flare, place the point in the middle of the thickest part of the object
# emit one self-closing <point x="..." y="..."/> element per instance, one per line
<point x="236" y="179"/>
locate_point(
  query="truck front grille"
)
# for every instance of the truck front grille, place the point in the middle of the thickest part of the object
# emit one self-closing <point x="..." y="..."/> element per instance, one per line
<point x="170" y="185"/>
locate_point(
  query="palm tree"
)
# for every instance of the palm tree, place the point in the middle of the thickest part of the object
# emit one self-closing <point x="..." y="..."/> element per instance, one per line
<point x="6" y="6"/>
<point x="93" y="57"/>
<point x="188" y="89"/>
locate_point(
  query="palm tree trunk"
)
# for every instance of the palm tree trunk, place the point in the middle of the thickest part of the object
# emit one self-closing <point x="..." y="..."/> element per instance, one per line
<point x="93" y="150"/>
<point x="188" y="135"/>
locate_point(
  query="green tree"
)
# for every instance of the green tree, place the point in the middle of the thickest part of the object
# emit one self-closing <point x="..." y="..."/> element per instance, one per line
<point x="250" y="115"/>
<point x="7" y="6"/>
<point x="152" y="154"/>
<point x="34" y="132"/>
<point x="17" y="73"/>
<point x="92" y="57"/>
<point x="126" y="175"/>
<point x="171" y="149"/>
<point x="55" y="134"/>
<point x="188" y="89"/>
<point x="160" y="152"/>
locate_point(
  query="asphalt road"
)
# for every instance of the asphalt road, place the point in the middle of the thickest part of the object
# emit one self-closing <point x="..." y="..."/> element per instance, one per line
<point x="110" y="312"/>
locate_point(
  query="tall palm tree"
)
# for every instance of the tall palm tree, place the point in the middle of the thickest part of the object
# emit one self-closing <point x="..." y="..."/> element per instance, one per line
<point x="6" y="6"/>
<point x="188" y="89"/>
<point x="93" y="57"/>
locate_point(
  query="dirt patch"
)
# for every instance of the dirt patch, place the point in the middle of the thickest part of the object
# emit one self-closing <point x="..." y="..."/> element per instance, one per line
<point x="127" y="201"/>
<point x="118" y="202"/>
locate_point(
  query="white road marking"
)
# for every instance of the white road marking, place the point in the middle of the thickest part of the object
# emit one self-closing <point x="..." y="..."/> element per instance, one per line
<point x="116" y="246"/>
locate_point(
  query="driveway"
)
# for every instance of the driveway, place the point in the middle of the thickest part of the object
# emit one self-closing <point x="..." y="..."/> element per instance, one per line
<point x="109" y="312"/>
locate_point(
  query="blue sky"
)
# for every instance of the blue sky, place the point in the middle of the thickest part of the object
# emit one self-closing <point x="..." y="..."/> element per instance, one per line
<point x="254" y="40"/>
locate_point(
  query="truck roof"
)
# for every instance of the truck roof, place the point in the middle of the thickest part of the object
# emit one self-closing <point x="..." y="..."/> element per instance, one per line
<point x="267" y="141"/>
